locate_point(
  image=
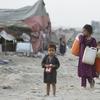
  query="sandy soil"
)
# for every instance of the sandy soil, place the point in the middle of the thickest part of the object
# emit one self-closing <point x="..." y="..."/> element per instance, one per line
<point x="22" y="79"/>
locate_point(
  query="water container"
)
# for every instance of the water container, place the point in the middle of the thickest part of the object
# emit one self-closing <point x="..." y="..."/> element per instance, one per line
<point x="98" y="53"/>
<point x="97" y="65"/>
<point x="75" y="47"/>
<point x="89" y="55"/>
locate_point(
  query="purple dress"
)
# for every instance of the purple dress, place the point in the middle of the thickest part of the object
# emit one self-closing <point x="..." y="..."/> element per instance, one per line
<point x="86" y="70"/>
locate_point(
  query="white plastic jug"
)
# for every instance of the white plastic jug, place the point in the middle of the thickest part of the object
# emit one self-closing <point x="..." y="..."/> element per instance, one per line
<point x="89" y="55"/>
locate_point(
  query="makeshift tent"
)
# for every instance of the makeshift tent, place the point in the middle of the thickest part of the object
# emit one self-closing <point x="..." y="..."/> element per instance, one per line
<point x="7" y="37"/>
<point x="34" y="17"/>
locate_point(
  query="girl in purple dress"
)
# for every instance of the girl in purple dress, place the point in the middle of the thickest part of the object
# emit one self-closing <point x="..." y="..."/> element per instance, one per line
<point x="86" y="71"/>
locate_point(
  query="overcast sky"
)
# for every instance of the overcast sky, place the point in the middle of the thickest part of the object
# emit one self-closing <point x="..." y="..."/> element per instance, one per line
<point x="67" y="13"/>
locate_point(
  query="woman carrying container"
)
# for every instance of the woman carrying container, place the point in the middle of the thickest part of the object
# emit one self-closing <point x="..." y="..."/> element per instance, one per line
<point x="86" y="72"/>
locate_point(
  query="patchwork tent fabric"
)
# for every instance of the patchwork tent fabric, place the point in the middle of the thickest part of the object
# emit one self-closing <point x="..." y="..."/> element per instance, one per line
<point x="34" y="17"/>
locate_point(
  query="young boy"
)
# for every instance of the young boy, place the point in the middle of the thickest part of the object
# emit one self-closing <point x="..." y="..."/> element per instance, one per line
<point x="50" y="63"/>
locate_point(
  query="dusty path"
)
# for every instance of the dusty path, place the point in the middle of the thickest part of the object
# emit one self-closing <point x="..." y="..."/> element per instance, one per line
<point x="22" y="79"/>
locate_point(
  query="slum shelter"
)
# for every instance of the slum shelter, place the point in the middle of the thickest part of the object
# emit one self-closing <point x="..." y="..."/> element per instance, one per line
<point x="6" y="41"/>
<point x="29" y="19"/>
